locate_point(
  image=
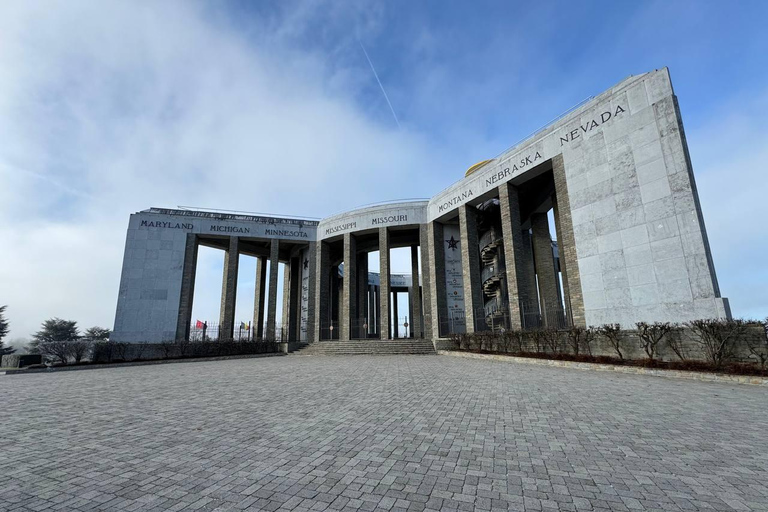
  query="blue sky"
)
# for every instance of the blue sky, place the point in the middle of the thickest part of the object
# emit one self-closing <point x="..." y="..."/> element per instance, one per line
<point x="107" y="108"/>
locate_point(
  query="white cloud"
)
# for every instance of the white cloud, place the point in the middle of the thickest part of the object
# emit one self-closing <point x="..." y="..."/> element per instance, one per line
<point x="109" y="108"/>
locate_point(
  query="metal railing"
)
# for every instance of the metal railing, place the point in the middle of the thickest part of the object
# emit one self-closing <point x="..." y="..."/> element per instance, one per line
<point x="491" y="271"/>
<point x="488" y="238"/>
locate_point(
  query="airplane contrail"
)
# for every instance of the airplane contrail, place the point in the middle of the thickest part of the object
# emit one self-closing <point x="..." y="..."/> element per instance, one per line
<point x="380" y="84"/>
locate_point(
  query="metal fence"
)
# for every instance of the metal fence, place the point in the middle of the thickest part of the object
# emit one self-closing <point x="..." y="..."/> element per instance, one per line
<point x="362" y="329"/>
<point x="533" y="316"/>
<point x="210" y="331"/>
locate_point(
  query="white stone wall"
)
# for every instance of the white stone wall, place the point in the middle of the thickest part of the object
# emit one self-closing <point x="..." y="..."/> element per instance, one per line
<point x="639" y="233"/>
<point x="373" y="217"/>
<point x="150" y="286"/>
<point x="153" y="264"/>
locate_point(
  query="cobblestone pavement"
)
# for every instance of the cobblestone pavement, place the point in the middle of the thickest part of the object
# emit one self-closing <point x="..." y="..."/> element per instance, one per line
<point x="378" y="433"/>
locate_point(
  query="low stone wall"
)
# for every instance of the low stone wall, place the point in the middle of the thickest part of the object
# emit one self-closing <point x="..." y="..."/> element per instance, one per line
<point x="20" y="360"/>
<point x="53" y="369"/>
<point x="110" y="351"/>
<point x="637" y="370"/>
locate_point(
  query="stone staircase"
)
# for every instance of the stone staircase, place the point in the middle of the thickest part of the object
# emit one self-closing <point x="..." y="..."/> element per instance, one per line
<point x="366" y="347"/>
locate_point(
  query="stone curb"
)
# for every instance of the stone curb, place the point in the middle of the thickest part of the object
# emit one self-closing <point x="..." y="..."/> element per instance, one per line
<point x="636" y="370"/>
<point x="135" y="363"/>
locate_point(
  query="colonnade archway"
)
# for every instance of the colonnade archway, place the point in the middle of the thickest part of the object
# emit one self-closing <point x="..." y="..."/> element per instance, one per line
<point x="355" y="303"/>
<point x="276" y="261"/>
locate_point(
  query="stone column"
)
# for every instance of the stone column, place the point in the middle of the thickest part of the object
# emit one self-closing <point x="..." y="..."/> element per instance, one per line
<point x="274" y="264"/>
<point x="435" y="272"/>
<point x="184" y="321"/>
<point x="511" y="228"/>
<point x="409" y="330"/>
<point x="229" y="290"/>
<point x="294" y="300"/>
<point x="377" y="310"/>
<point x="337" y="316"/>
<point x="312" y="283"/>
<point x="395" y="327"/>
<point x="362" y="295"/>
<point x="545" y="265"/>
<point x="415" y="295"/>
<point x="530" y="301"/>
<point x="569" y="265"/>
<point x="282" y="332"/>
<point x="322" y="290"/>
<point x="371" y="310"/>
<point x="384" y="288"/>
<point x="470" y="262"/>
<point x="349" y="293"/>
<point x="259" y="304"/>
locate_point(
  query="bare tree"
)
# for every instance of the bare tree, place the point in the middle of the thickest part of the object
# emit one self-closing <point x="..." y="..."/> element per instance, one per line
<point x="717" y="337"/>
<point x="651" y="335"/>
<point x="614" y="335"/>
<point x="56" y="350"/>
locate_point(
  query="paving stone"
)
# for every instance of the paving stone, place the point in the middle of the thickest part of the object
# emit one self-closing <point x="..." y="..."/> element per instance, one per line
<point x="364" y="433"/>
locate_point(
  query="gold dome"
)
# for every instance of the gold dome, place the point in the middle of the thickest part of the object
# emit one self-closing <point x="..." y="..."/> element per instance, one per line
<point x="475" y="167"/>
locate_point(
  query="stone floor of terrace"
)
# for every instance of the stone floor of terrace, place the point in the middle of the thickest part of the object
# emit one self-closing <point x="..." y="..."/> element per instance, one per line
<point x="378" y="433"/>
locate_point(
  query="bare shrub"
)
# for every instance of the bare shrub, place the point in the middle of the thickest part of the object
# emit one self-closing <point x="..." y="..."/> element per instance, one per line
<point x="580" y="338"/>
<point x="717" y="337"/>
<point x="168" y="347"/>
<point x="517" y="338"/>
<point x="651" y="335"/>
<point x="590" y="333"/>
<point x="79" y="349"/>
<point x="182" y="345"/>
<point x="758" y="347"/>
<point x="55" y="350"/>
<point x="614" y="335"/>
<point x="552" y="340"/>
<point x="119" y="350"/>
<point x="139" y="350"/>
<point x="675" y="342"/>
<point x="538" y="337"/>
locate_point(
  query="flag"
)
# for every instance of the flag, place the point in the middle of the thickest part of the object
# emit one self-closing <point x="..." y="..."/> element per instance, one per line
<point x="242" y="325"/>
<point x="198" y="325"/>
<point x="247" y="326"/>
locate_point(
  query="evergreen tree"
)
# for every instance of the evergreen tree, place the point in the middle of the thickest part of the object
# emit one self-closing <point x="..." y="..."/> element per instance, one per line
<point x="96" y="333"/>
<point x="3" y="333"/>
<point x="54" y="329"/>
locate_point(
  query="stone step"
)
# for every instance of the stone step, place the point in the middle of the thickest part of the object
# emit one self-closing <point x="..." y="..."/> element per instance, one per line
<point x="367" y="347"/>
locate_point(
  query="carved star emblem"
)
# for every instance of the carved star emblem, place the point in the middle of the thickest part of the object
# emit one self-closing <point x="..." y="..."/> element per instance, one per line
<point x="453" y="244"/>
<point x="306" y="263"/>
